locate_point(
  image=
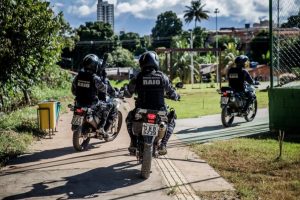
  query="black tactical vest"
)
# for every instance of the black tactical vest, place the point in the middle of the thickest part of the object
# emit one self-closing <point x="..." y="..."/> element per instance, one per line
<point x="150" y="90"/>
<point x="86" y="92"/>
<point x="236" y="79"/>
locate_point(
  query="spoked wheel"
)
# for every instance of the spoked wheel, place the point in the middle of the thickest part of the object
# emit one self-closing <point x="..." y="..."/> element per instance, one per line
<point x="252" y="110"/>
<point x="115" y="128"/>
<point x="80" y="141"/>
<point x="227" y="117"/>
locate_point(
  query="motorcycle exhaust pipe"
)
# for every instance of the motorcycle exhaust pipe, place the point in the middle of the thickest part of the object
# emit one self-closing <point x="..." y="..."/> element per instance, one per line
<point x="90" y="119"/>
<point x="162" y="128"/>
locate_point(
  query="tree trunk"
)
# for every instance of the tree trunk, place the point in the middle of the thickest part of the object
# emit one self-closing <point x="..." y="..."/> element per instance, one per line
<point x="26" y="97"/>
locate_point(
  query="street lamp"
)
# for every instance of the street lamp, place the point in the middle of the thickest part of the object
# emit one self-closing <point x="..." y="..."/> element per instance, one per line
<point x="217" y="45"/>
<point x="192" y="58"/>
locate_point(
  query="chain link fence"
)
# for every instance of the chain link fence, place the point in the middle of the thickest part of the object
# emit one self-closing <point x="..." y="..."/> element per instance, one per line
<point x="285" y="32"/>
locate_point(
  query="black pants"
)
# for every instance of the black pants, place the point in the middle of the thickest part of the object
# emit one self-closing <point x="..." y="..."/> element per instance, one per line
<point x="103" y="109"/>
<point x="164" y="141"/>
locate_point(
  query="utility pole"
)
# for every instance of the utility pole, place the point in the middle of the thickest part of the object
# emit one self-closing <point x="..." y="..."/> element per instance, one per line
<point x="192" y="58"/>
<point x="217" y="45"/>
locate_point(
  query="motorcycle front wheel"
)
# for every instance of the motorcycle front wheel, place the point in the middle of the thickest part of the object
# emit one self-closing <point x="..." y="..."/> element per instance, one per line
<point x="146" y="162"/>
<point x="226" y="117"/>
<point x="252" y="110"/>
<point x="80" y="142"/>
<point x="113" y="135"/>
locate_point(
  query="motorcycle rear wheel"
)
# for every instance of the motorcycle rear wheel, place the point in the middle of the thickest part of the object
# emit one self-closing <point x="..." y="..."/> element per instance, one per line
<point x="146" y="162"/>
<point x="113" y="136"/>
<point x="80" y="143"/>
<point x="226" y="117"/>
<point x="252" y="111"/>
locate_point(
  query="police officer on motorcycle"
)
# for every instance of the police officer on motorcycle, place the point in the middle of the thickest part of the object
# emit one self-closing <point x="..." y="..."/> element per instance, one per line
<point x="111" y="92"/>
<point x="238" y="77"/>
<point x="87" y="86"/>
<point x="150" y="85"/>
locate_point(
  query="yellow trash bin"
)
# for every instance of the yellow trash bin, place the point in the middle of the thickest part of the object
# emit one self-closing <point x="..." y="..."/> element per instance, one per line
<point x="47" y="115"/>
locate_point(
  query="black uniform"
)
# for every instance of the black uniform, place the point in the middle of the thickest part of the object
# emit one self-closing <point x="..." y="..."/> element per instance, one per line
<point x="238" y="77"/>
<point x="150" y="87"/>
<point x="86" y="86"/>
<point x="111" y="109"/>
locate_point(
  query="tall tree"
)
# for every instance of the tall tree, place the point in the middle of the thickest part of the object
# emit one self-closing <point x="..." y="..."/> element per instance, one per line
<point x="130" y="41"/>
<point x="195" y="12"/>
<point x="293" y="21"/>
<point x="95" y="31"/>
<point x="260" y="46"/>
<point x="30" y="43"/>
<point x="167" y="25"/>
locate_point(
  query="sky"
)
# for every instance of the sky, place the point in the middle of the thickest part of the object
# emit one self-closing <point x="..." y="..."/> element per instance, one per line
<point x="139" y="16"/>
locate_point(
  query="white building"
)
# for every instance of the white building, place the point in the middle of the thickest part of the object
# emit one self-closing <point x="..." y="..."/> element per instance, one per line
<point x="105" y="12"/>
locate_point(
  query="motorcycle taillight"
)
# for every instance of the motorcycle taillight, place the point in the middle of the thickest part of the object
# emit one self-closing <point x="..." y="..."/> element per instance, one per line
<point x="79" y="111"/>
<point x="151" y="118"/>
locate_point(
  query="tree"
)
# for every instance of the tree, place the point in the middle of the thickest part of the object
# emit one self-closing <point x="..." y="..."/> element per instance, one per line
<point x="130" y="41"/>
<point x="195" y="12"/>
<point x="260" y="46"/>
<point x="167" y="25"/>
<point x="293" y="21"/>
<point x="200" y="37"/>
<point x="223" y="40"/>
<point x="95" y="31"/>
<point x="30" y="43"/>
<point x="122" y="58"/>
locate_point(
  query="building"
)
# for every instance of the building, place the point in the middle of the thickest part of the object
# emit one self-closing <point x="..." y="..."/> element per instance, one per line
<point x="105" y="12"/>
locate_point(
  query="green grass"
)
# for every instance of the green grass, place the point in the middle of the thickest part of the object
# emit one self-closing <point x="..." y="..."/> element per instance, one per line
<point x="204" y="100"/>
<point x="251" y="166"/>
<point x="19" y="128"/>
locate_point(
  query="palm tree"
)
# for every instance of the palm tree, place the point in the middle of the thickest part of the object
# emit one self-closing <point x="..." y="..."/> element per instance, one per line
<point x="195" y="12"/>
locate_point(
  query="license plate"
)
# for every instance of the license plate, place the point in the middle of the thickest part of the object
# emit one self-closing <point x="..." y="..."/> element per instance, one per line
<point x="150" y="129"/>
<point x="224" y="100"/>
<point x="77" y="120"/>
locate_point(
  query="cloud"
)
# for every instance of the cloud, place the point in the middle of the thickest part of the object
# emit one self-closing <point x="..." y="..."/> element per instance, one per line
<point x="239" y="10"/>
<point x="82" y="8"/>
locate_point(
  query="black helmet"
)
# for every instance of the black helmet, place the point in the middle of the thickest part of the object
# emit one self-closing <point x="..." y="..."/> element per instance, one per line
<point x="241" y="60"/>
<point x="149" y="60"/>
<point x="91" y="63"/>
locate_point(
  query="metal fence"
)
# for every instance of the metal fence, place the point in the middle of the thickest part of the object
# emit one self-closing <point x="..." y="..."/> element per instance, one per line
<point x="285" y="43"/>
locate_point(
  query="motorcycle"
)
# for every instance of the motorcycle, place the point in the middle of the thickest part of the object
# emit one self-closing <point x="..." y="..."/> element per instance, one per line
<point x="233" y="103"/>
<point x="149" y="126"/>
<point x="85" y="122"/>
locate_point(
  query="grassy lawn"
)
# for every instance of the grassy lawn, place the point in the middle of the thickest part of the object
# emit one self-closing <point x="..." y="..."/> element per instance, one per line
<point x="204" y="100"/>
<point x="18" y="129"/>
<point x="251" y="166"/>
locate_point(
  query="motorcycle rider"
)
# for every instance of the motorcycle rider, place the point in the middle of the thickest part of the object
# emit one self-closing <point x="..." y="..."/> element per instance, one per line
<point x="150" y="85"/>
<point x="102" y="96"/>
<point x="238" y="76"/>
<point x="86" y="86"/>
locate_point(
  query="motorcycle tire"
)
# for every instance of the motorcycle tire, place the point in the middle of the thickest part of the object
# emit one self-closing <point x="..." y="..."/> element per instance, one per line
<point x="79" y="143"/>
<point x="113" y="136"/>
<point x="253" y="110"/>
<point x="146" y="162"/>
<point x="226" y="122"/>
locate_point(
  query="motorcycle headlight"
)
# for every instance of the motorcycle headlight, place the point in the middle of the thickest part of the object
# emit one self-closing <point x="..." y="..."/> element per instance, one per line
<point x="232" y="99"/>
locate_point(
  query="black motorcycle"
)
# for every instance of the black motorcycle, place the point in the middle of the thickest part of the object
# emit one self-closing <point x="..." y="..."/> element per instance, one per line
<point x="233" y="105"/>
<point x="85" y="122"/>
<point x="149" y="126"/>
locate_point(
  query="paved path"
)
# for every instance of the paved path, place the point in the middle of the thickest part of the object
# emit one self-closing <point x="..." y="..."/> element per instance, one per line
<point x="209" y="128"/>
<point x="53" y="170"/>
